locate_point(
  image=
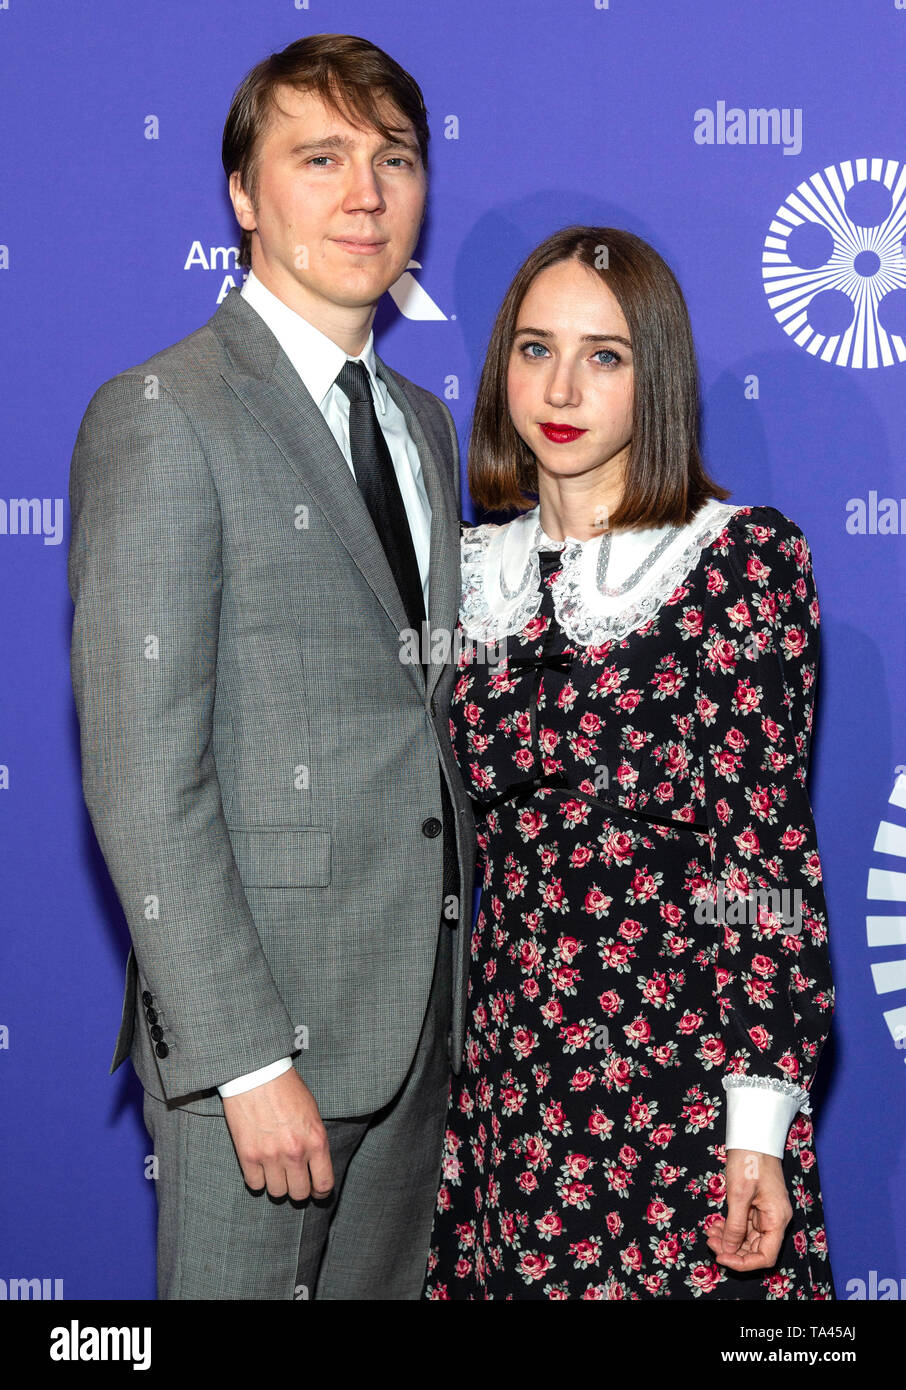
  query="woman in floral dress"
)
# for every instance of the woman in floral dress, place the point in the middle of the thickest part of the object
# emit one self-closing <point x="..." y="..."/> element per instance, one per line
<point x="650" y="985"/>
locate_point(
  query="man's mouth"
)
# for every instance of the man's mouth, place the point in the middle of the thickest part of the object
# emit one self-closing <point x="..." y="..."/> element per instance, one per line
<point x="360" y="246"/>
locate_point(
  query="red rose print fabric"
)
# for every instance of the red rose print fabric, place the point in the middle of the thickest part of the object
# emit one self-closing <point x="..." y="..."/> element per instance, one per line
<point x="584" y="1151"/>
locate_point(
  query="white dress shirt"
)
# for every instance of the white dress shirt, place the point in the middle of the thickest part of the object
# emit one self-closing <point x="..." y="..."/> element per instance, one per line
<point x="318" y="361"/>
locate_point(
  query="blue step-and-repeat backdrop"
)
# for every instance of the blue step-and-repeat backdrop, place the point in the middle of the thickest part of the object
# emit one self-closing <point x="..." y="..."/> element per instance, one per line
<point x="761" y="148"/>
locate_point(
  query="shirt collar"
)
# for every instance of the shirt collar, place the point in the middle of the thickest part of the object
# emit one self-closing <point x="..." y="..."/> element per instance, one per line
<point x="501" y="586"/>
<point x="317" y="358"/>
<point x="644" y="552"/>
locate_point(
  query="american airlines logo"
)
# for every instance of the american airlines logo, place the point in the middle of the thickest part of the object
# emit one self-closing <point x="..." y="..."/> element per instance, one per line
<point x="412" y="299"/>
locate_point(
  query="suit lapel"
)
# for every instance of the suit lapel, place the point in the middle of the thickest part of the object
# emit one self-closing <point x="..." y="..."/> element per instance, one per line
<point x="264" y="379"/>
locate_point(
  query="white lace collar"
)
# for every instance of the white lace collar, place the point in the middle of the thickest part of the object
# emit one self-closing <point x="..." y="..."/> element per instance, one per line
<point x="607" y="587"/>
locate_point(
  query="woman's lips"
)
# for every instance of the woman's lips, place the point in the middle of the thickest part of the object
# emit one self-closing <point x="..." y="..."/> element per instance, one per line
<point x="560" y="434"/>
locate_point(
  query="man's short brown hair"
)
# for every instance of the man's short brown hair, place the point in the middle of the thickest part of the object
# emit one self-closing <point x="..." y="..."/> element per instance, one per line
<point x="348" y="73"/>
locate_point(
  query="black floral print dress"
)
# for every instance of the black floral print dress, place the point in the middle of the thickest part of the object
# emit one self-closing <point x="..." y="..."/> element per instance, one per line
<point x="619" y="787"/>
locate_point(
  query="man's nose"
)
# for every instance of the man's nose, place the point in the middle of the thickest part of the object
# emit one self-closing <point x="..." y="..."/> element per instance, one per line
<point x="363" y="189"/>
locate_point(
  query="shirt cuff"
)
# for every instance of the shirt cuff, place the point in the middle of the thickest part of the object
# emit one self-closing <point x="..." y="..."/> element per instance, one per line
<point x="759" y="1116"/>
<point x="255" y="1078"/>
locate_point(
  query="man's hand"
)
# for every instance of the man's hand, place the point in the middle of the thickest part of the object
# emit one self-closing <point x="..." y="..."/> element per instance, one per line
<point x="280" y="1139"/>
<point x="758" y="1212"/>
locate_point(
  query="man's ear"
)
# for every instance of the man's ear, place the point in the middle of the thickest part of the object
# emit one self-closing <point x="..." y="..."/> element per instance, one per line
<point x="242" y="203"/>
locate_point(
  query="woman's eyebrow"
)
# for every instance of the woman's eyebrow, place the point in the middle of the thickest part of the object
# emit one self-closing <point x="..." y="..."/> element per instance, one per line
<point x="585" y="338"/>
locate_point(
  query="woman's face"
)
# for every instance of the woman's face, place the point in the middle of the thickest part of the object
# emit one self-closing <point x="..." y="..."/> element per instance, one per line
<point x="571" y="366"/>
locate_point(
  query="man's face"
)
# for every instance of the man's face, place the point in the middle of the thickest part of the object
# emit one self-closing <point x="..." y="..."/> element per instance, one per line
<point x="338" y="209"/>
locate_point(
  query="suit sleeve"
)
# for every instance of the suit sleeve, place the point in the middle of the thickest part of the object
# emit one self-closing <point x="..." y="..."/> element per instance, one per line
<point x="758" y="664"/>
<point x="454" y="444"/>
<point x="145" y="578"/>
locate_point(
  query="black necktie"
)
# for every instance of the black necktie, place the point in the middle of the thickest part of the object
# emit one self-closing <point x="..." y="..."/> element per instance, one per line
<point x="378" y="485"/>
<point x="377" y="482"/>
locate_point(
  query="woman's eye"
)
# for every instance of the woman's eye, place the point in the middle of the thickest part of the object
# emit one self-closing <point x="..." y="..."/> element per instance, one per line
<point x="605" y="356"/>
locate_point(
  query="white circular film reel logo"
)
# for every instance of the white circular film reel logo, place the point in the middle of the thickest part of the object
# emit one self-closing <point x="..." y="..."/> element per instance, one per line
<point x="887" y="932"/>
<point x="834" y="264"/>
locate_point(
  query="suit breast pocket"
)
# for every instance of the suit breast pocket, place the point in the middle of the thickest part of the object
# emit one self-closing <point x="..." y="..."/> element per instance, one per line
<point x="281" y="856"/>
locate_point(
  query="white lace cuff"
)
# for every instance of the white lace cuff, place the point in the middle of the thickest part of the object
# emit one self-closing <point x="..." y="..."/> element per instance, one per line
<point x="760" y="1110"/>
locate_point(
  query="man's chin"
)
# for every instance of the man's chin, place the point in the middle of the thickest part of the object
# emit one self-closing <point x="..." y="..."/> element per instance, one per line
<point x="358" y="268"/>
<point x="359" y="290"/>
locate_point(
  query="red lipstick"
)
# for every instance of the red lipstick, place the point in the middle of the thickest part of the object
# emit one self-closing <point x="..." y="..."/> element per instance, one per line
<point x="560" y="434"/>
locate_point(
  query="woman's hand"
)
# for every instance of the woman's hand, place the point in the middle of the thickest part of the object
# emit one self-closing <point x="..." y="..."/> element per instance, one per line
<point x="758" y="1212"/>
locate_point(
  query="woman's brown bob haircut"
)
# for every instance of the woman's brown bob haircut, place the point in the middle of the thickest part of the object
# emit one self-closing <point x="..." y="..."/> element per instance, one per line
<point x="665" y="481"/>
<point x="348" y="73"/>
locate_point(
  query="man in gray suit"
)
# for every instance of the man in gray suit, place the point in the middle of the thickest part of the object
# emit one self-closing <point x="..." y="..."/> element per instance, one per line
<point x="259" y="515"/>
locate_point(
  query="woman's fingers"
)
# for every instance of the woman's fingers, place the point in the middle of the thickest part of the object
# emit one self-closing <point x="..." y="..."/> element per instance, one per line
<point x="752" y="1234"/>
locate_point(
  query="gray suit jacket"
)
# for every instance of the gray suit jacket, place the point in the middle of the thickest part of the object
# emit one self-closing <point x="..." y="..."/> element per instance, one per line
<point x="261" y="769"/>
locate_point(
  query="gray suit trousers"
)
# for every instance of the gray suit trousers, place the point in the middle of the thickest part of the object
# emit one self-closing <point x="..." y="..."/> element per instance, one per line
<point x="368" y="1240"/>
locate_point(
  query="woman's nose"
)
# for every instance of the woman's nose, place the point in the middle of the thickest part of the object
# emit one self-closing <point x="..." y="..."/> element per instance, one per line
<point x="562" y="388"/>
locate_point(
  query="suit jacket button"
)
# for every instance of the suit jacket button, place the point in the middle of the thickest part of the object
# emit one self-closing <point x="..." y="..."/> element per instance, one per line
<point x="433" y="705"/>
<point x="156" y="1033"/>
<point x="147" y="998"/>
<point x="161" y="1049"/>
<point x="431" y="827"/>
<point x="151" y="1015"/>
